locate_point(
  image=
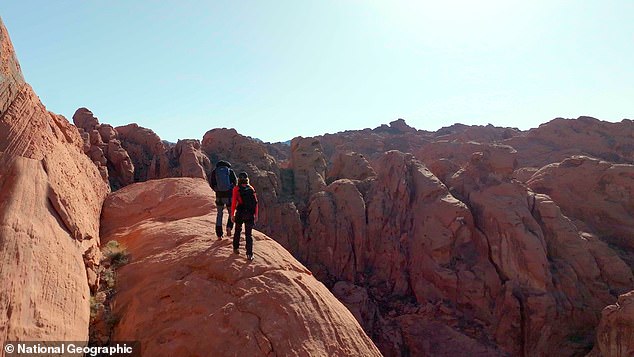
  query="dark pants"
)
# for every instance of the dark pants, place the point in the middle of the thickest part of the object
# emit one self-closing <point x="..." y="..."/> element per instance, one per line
<point x="248" y="227"/>
<point x="221" y="204"/>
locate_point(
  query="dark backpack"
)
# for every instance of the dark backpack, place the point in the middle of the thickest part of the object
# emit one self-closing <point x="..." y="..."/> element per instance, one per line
<point x="246" y="209"/>
<point x="223" y="181"/>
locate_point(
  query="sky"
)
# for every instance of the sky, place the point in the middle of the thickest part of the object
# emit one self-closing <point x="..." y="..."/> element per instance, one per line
<point x="278" y="69"/>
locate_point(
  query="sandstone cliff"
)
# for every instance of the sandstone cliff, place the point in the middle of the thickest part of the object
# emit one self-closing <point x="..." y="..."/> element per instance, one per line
<point x="50" y="202"/>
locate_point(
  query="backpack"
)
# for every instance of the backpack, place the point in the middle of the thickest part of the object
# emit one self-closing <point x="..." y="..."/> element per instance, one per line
<point x="246" y="209"/>
<point x="223" y="181"/>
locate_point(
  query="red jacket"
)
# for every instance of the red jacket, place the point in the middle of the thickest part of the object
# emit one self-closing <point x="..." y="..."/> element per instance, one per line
<point x="237" y="199"/>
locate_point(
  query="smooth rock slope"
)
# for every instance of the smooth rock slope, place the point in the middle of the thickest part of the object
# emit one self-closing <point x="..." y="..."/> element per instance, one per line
<point x="186" y="293"/>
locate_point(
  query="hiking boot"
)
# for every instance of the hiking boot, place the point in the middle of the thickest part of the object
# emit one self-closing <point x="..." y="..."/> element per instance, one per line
<point x="219" y="231"/>
<point x="249" y="257"/>
<point x="235" y="251"/>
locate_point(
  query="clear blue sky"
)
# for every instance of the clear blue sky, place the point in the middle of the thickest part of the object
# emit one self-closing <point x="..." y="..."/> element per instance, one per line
<point x="279" y="69"/>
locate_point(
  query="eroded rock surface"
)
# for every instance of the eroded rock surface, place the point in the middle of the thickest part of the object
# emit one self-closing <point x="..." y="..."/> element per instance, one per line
<point x="50" y="202"/>
<point x="186" y="293"/>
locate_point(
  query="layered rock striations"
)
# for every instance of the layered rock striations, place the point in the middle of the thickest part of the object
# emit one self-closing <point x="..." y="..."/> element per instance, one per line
<point x="50" y="202"/>
<point x="185" y="293"/>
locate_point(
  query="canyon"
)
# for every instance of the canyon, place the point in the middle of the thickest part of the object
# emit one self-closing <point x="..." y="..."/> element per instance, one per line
<point x="470" y="240"/>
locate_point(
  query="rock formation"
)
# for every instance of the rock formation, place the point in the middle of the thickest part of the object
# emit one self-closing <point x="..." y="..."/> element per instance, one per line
<point x="349" y="165"/>
<point x="148" y="157"/>
<point x="187" y="160"/>
<point x="478" y="133"/>
<point x="147" y="151"/>
<point x="309" y="168"/>
<point x="561" y="138"/>
<point x="615" y="334"/>
<point x="598" y="195"/>
<point x="50" y="202"/>
<point x="460" y="153"/>
<point x="185" y="293"/>
<point x="372" y="143"/>
<point x="470" y="240"/>
<point x="102" y="145"/>
<point x="412" y="250"/>
<point x="274" y="184"/>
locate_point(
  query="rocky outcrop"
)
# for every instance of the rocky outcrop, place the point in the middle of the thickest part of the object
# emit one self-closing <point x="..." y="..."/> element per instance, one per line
<point x="502" y="157"/>
<point x="372" y="143"/>
<point x="101" y="144"/>
<point x="275" y="185"/>
<point x="147" y="151"/>
<point x="409" y="258"/>
<point x="398" y="238"/>
<point x="191" y="161"/>
<point x="598" y="195"/>
<point x="50" y="202"/>
<point x="546" y="265"/>
<point x="561" y="138"/>
<point x="349" y="165"/>
<point x="148" y="157"/>
<point x="477" y="133"/>
<point x="404" y="248"/>
<point x="309" y="168"/>
<point x="615" y="334"/>
<point x="184" y="293"/>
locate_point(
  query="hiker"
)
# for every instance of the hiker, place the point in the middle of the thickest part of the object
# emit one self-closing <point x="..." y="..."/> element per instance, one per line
<point x="244" y="209"/>
<point x="222" y="181"/>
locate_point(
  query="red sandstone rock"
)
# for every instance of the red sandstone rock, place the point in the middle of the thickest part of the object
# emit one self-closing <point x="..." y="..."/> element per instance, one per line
<point x="523" y="174"/>
<point x="372" y="143"/>
<point x="540" y="255"/>
<point x="502" y="158"/>
<point x="477" y="133"/>
<point x="598" y="195"/>
<point x="184" y="293"/>
<point x="561" y="138"/>
<point x="615" y="334"/>
<point x="358" y="301"/>
<point x="192" y="162"/>
<point x="50" y="203"/>
<point x="107" y="133"/>
<point x="309" y="168"/>
<point x="349" y="165"/>
<point x="122" y="168"/>
<point x="217" y="143"/>
<point x="146" y="150"/>
<point x="101" y="144"/>
<point x="274" y="185"/>
<point x="85" y="119"/>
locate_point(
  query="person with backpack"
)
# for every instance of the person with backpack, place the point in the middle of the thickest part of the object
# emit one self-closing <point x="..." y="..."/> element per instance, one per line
<point x="244" y="209"/>
<point x="223" y="180"/>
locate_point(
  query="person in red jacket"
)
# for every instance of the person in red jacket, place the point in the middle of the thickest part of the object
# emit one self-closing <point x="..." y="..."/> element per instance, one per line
<point x="244" y="209"/>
